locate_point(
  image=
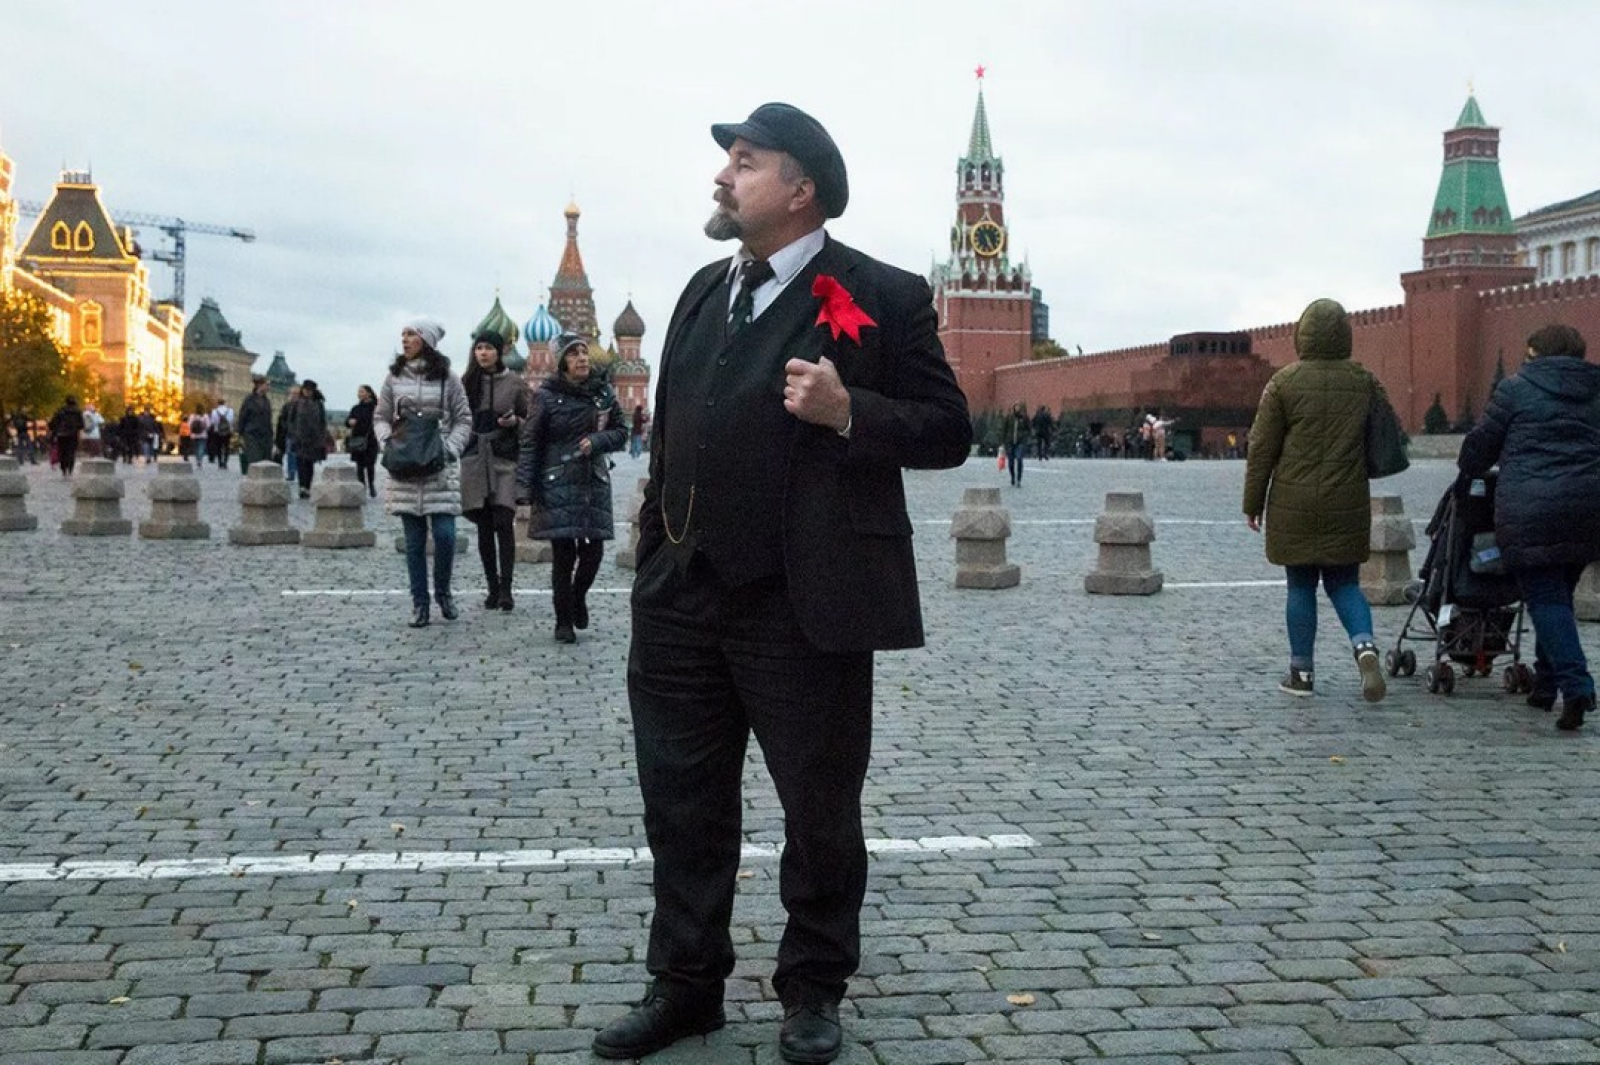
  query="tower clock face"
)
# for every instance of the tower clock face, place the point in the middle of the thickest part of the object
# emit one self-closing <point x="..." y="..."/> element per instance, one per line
<point x="988" y="238"/>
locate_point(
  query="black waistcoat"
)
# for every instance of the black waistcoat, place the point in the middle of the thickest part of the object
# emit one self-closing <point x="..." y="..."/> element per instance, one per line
<point x="728" y="438"/>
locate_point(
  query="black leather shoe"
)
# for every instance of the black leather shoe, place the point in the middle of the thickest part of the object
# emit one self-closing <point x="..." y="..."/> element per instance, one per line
<point x="506" y="602"/>
<point x="419" y="617"/>
<point x="564" y="634"/>
<point x="447" y="607"/>
<point x="1541" y="700"/>
<point x="810" y="1033"/>
<point x="655" y="1024"/>
<point x="1573" y="711"/>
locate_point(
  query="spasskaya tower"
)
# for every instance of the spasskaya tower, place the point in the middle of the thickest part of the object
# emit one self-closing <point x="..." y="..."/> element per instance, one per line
<point x="985" y="302"/>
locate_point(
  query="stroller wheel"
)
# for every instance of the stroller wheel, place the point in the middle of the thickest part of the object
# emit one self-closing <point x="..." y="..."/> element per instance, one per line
<point x="1447" y="678"/>
<point x="1510" y="680"/>
<point x="1391" y="663"/>
<point x="1408" y="662"/>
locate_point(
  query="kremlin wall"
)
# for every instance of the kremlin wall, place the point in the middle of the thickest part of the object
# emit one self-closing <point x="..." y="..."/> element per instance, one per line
<point x="1464" y="319"/>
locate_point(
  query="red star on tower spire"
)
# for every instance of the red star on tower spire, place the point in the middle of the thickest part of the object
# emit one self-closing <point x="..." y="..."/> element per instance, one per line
<point x="980" y="71"/>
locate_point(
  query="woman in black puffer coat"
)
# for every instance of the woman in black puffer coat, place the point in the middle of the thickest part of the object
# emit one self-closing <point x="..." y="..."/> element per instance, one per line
<point x="1543" y="428"/>
<point x="563" y="473"/>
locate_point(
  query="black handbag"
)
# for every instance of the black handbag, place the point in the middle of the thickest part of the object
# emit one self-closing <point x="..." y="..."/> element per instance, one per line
<point x="1386" y="441"/>
<point x="415" y="450"/>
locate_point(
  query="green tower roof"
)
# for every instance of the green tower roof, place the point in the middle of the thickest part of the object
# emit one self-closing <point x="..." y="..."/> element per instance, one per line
<point x="1471" y="197"/>
<point x="978" y="146"/>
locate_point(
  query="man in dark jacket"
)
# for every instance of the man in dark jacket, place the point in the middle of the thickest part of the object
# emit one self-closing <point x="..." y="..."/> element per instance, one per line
<point x="1543" y="427"/>
<point x="774" y="558"/>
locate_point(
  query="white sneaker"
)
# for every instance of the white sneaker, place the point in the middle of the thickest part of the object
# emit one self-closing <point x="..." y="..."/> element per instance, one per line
<point x="1373" y="686"/>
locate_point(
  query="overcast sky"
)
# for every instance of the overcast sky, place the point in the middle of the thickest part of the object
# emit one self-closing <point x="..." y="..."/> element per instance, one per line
<point x="1170" y="166"/>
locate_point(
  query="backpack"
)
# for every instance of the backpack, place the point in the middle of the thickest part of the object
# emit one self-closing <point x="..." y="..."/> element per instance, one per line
<point x="221" y="426"/>
<point x="197" y="426"/>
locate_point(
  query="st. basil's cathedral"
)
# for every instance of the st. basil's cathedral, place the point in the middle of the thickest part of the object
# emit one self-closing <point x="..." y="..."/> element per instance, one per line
<point x="570" y="308"/>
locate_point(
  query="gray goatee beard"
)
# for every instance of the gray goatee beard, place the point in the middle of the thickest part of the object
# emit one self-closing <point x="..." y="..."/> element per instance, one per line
<point x="723" y="226"/>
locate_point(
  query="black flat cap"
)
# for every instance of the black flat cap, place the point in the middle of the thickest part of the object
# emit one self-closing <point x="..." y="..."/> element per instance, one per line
<point x="785" y="128"/>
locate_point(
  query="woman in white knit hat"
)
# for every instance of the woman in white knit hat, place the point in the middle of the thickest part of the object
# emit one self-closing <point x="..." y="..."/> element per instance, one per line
<point x="420" y="385"/>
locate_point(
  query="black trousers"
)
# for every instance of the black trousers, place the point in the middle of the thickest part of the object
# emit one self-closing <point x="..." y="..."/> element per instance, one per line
<point x="709" y="666"/>
<point x="573" y="565"/>
<point x="66" y="453"/>
<point x="497" y="543"/>
<point x="306" y="469"/>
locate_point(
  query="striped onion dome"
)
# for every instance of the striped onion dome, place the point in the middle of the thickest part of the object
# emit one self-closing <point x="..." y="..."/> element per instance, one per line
<point x="500" y="323"/>
<point x="541" y="328"/>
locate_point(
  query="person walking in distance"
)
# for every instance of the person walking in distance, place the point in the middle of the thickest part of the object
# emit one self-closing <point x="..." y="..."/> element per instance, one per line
<point x="797" y="378"/>
<point x="1016" y="429"/>
<point x="564" y="474"/>
<point x="93" y="425"/>
<point x="636" y="431"/>
<point x="283" y="440"/>
<point x="255" y="425"/>
<point x="360" y="443"/>
<point x="308" y="433"/>
<point x="66" y="426"/>
<point x="499" y="402"/>
<point x="420" y="385"/>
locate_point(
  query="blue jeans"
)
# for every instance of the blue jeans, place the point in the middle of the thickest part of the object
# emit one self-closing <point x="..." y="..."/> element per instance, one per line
<point x="1014" y="453"/>
<point x="1558" y="660"/>
<point x="444" y="553"/>
<point x="1343" y="585"/>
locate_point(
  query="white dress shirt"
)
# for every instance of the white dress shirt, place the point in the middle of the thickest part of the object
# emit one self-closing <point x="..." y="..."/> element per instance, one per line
<point x="786" y="263"/>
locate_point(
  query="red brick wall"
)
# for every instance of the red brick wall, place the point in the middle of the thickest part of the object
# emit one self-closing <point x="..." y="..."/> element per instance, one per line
<point x="981" y="334"/>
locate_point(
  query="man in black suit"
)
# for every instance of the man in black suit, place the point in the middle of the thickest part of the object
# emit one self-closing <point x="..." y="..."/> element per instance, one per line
<point x="774" y="558"/>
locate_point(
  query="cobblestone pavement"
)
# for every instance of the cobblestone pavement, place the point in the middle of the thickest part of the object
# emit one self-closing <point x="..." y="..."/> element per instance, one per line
<point x="1213" y="872"/>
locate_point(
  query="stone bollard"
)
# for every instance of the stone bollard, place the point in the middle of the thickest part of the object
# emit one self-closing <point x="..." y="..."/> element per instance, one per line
<point x="264" y="508"/>
<point x="339" y="498"/>
<point x="530" y="550"/>
<point x="979" y="527"/>
<point x="1586" y="599"/>
<point x="14" y="516"/>
<point x="1386" y="573"/>
<point x="1124" y="533"/>
<point x="628" y="557"/>
<point x="174" y="504"/>
<point x="97" y="501"/>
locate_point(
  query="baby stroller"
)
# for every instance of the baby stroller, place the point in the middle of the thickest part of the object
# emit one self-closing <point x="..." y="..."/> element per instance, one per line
<point x="1470" y="606"/>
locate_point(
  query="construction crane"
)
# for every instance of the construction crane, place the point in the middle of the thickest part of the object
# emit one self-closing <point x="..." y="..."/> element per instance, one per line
<point x="176" y="228"/>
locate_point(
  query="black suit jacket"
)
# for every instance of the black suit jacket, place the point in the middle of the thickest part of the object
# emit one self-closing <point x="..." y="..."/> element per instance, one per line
<point x="846" y="534"/>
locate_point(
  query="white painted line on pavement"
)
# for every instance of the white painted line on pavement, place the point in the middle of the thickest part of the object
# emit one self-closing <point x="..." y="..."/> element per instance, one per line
<point x="428" y="861"/>
<point x="1239" y="521"/>
<point x="356" y="593"/>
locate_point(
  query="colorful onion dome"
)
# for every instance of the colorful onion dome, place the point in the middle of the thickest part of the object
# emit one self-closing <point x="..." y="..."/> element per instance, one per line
<point x="628" y="323"/>
<point x="500" y="323"/>
<point x="541" y="328"/>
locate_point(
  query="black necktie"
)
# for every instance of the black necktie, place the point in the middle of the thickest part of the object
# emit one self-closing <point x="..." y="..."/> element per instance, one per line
<point x="751" y="275"/>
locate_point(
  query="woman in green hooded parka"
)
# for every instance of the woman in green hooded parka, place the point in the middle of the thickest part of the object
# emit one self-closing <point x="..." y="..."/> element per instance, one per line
<point x="1307" y="472"/>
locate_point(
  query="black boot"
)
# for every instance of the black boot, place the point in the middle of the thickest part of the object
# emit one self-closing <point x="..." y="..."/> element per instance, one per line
<point x="1573" y="711"/>
<point x="447" y="606"/>
<point x="655" y="1024"/>
<point x="505" y="601"/>
<point x="580" y="612"/>
<point x="419" y="616"/>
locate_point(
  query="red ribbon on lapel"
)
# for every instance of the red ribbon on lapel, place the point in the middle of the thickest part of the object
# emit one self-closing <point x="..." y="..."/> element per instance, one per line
<point x="839" y="311"/>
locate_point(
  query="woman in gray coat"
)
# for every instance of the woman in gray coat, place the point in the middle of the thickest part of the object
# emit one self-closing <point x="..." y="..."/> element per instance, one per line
<point x="420" y="384"/>
<point x="499" y="401"/>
